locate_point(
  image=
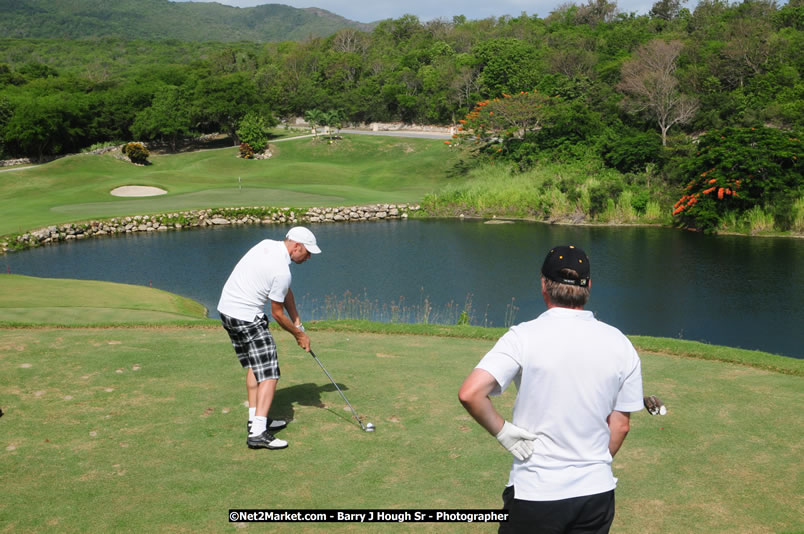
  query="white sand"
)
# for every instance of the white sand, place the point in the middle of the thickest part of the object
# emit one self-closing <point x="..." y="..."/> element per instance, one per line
<point x="137" y="191"/>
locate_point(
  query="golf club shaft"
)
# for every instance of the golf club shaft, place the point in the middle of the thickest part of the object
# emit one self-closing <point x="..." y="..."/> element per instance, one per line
<point x="339" y="389"/>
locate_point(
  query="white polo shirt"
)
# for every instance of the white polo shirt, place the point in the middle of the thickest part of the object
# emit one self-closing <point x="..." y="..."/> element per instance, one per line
<point x="262" y="274"/>
<point x="571" y="372"/>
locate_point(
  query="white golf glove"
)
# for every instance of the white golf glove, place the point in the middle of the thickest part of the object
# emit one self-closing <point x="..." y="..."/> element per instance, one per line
<point x="518" y="441"/>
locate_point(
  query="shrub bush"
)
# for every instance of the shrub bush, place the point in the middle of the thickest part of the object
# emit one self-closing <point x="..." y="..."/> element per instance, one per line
<point x="601" y="194"/>
<point x="136" y="152"/>
<point x="253" y="130"/>
<point x="632" y="152"/>
<point x="246" y="152"/>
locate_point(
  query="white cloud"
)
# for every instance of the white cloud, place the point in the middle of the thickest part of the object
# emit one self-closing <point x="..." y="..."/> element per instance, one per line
<point x="429" y="9"/>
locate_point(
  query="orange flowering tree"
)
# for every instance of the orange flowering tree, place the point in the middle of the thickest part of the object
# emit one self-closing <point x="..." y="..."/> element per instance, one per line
<point x="736" y="169"/>
<point x="505" y="119"/>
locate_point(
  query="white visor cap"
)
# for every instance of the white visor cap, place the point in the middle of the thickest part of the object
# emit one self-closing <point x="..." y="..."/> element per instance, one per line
<point x="302" y="235"/>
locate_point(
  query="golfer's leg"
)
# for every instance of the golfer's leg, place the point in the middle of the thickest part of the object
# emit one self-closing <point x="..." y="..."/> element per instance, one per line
<point x="251" y="388"/>
<point x="265" y="396"/>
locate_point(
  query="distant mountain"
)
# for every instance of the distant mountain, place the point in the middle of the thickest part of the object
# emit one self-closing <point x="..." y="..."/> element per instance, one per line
<point x="163" y="19"/>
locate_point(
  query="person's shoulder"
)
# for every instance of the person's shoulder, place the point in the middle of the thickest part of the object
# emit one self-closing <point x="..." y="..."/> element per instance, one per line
<point x="606" y="326"/>
<point x="266" y="252"/>
<point x="530" y="327"/>
<point x="525" y="325"/>
<point x="616" y="336"/>
<point x="270" y="245"/>
<point x="259" y="245"/>
<point x="609" y="329"/>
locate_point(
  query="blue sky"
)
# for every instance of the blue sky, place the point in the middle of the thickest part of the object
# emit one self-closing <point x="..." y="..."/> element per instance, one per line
<point x="363" y="11"/>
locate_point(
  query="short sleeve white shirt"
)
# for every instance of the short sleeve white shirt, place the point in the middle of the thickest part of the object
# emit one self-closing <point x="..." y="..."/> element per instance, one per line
<point x="571" y="372"/>
<point x="262" y="274"/>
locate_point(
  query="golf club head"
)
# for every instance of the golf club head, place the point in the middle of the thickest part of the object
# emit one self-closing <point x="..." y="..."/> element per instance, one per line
<point x="354" y="413"/>
<point x="369" y="427"/>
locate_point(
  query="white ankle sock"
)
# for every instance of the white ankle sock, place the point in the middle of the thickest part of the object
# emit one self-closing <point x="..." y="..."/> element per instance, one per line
<point x="258" y="425"/>
<point x="251" y="413"/>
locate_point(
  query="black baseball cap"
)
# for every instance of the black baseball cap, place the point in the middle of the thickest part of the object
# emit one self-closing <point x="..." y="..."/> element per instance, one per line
<point x="567" y="257"/>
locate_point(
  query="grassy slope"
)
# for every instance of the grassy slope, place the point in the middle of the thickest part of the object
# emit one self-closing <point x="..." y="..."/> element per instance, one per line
<point x="356" y="170"/>
<point x="28" y="300"/>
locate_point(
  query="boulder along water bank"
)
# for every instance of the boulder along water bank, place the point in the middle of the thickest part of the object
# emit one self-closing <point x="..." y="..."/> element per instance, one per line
<point x="203" y="219"/>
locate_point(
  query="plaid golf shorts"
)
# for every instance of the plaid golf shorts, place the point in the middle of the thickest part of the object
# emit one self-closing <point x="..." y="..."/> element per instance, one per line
<point x="254" y="346"/>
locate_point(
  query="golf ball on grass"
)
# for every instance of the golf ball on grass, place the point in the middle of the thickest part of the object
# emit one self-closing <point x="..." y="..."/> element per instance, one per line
<point x="369" y="427"/>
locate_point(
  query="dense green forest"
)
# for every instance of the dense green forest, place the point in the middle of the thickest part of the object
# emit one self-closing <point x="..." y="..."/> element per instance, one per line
<point x="699" y="108"/>
<point x="163" y="19"/>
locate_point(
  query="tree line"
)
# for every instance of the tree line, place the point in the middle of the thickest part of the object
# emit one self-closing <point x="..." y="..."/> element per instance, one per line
<point x="631" y="91"/>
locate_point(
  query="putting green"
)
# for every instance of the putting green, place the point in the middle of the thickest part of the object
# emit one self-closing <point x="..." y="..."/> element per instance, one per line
<point x="200" y="200"/>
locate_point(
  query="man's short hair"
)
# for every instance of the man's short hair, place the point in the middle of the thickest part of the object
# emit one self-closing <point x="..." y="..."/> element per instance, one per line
<point x="566" y="295"/>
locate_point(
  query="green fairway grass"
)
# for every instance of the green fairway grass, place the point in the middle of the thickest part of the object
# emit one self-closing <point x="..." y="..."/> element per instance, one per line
<point x="135" y="429"/>
<point x="142" y="428"/>
<point x="28" y="300"/>
<point x="357" y="169"/>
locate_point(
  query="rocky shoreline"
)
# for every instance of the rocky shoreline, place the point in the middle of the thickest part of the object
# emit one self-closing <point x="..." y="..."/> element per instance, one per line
<point x="203" y="219"/>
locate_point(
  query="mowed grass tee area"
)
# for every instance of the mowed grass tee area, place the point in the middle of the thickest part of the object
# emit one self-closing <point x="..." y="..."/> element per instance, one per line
<point x="140" y="428"/>
<point x="28" y="300"/>
<point x="357" y="169"/>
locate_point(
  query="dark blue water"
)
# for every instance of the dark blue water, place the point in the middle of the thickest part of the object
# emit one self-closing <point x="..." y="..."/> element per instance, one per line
<point x="726" y="290"/>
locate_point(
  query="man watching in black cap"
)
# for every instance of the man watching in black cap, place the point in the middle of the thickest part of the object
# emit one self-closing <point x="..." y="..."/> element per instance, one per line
<point x="578" y="380"/>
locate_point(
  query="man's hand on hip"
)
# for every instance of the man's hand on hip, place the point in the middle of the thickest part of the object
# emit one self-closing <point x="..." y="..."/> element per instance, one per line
<point x="517" y="441"/>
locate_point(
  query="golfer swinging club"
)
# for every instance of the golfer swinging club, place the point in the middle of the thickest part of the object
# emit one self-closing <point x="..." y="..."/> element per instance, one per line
<point x="578" y="379"/>
<point x="263" y="275"/>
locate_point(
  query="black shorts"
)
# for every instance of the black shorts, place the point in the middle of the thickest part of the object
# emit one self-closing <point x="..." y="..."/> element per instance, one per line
<point x="591" y="514"/>
<point x="254" y="346"/>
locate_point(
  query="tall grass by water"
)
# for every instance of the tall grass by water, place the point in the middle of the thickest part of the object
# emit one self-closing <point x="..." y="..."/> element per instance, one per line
<point x="760" y="220"/>
<point x="579" y="192"/>
<point x="798" y="218"/>
<point x="351" y="306"/>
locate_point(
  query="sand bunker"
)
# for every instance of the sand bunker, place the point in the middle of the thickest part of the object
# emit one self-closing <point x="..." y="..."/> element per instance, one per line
<point x="137" y="191"/>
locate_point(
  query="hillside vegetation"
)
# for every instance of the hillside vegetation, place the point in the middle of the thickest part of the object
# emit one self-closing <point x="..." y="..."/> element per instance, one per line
<point x="162" y="20"/>
<point x="693" y="116"/>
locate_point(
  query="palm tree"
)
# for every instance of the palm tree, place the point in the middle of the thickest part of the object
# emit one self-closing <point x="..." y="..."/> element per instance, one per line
<point x="314" y="117"/>
<point x="332" y="119"/>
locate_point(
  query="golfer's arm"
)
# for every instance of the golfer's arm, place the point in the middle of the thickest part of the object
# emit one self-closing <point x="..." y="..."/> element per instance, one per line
<point x="290" y="306"/>
<point x="474" y="395"/>
<point x="278" y="313"/>
<point x="619" y="425"/>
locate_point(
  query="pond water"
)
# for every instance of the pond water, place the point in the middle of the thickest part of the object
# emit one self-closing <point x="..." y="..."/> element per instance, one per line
<point x="726" y="290"/>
